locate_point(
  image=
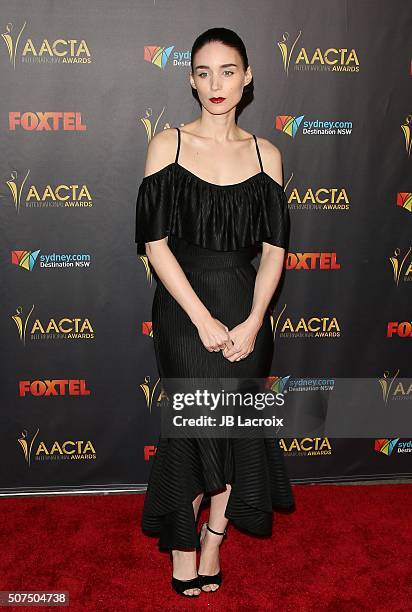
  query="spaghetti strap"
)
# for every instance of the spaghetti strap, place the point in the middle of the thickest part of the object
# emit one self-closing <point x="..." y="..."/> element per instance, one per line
<point x="258" y="152"/>
<point x="178" y="145"/>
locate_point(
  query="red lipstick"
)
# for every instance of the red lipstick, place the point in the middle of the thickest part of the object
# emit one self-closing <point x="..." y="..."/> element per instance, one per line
<point x="217" y="100"/>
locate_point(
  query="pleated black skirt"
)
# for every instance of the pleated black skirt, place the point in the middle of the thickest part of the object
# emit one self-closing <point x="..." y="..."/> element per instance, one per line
<point x="182" y="468"/>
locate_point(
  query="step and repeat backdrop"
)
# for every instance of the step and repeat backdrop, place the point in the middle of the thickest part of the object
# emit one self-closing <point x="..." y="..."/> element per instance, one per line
<point x="84" y="89"/>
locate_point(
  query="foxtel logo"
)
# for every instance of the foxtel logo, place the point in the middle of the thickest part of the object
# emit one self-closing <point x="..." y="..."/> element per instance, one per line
<point x="402" y="329"/>
<point x="311" y="261"/>
<point x="149" y="451"/>
<point x="55" y="387"/>
<point x="52" y="121"/>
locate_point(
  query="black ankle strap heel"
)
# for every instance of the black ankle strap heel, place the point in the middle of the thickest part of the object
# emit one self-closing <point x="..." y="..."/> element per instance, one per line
<point x="205" y="579"/>
<point x="216" y="532"/>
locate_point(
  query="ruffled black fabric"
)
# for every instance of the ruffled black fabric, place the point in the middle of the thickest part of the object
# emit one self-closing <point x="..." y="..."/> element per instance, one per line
<point x="224" y="218"/>
<point x="255" y="469"/>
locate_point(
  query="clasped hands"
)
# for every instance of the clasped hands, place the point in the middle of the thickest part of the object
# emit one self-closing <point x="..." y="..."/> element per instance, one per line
<point x="235" y="344"/>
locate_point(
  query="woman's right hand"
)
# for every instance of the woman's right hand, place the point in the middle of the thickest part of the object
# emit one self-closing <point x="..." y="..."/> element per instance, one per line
<point x="214" y="334"/>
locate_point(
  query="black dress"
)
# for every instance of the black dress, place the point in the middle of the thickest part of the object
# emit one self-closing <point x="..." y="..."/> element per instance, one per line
<point x="213" y="231"/>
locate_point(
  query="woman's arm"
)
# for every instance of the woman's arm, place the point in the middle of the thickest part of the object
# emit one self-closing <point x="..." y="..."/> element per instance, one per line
<point x="174" y="279"/>
<point x="268" y="274"/>
<point x="212" y="332"/>
<point x="272" y="258"/>
<point x="267" y="279"/>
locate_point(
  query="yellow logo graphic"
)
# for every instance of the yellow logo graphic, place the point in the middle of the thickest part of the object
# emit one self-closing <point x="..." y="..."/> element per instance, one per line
<point x="386" y="384"/>
<point x="66" y="328"/>
<point x="15" y="188"/>
<point x="21" y="322"/>
<point x="150" y="392"/>
<point x="149" y="274"/>
<point x="312" y="327"/>
<point x="275" y="324"/>
<point x="322" y="198"/>
<point x="68" y="450"/>
<point x="406" y="129"/>
<point x="285" y="51"/>
<point x="401" y="266"/>
<point x="149" y="126"/>
<point x="402" y="390"/>
<point x="327" y="60"/>
<point x="307" y="446"/>
<point x="27" y="444"/>
<point x="69" y="51"/>
<point x="12" y="42"/>
<point x="57" y="196"/>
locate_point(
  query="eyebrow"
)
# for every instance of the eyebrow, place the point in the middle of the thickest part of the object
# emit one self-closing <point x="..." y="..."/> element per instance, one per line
<point x="221" y="66"/>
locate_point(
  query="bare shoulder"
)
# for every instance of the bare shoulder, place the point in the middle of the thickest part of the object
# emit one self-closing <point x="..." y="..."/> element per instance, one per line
<point x="271" y="159"/>
<point x="161" y="150"/>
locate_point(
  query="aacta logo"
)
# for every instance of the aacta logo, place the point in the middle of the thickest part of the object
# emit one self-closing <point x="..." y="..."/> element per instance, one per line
<point x="149" y="451"/>
<point x="65" y="328"/>
<point x="322" y="198"/>
<point x="66" y="450"/>
<point x="310" y="327"/>
<point x="306" y="446"/>
<point x="49" y="196"/>
<point x="311" y="261"/>
<point x="402" y="329"/>
<point x="53" y="121"/>
<point x="303" y="59"/>
<point x="56" y="387"/>
<point x="59" y="51"/>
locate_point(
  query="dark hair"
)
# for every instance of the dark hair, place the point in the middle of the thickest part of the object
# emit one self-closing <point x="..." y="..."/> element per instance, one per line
<point x="225" y="36"/>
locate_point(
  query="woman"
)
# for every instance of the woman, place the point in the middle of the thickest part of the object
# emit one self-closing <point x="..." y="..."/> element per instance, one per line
<point x="211" y="195"/>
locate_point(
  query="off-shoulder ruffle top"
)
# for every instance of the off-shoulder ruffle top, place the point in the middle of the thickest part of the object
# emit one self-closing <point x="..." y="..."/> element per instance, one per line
<point x="174" y="201"/>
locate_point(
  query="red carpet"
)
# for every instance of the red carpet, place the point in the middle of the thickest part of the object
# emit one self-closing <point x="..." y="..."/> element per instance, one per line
<point x="344" y="549"/>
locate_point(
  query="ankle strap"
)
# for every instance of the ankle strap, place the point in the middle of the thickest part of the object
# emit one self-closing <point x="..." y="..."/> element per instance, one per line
<point x="216" y="532"/>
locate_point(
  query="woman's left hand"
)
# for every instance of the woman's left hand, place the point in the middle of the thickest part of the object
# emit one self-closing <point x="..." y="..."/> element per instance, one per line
<point x="243" y="337"/>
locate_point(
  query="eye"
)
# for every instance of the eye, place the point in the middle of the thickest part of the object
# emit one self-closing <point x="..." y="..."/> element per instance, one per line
<point x="230" y="71"/>
<point x="201" y="74"/>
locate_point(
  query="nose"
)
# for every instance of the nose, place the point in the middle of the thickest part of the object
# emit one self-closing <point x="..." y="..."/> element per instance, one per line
<point x="215" y="83"/>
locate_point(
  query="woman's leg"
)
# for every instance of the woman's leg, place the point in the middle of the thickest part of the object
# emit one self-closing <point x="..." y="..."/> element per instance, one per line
<point x="184" y="561"/>
<point x="209" y="558"/>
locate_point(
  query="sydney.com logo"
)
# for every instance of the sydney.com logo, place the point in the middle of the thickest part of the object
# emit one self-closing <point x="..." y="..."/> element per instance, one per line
<point x="28" y="260"/>
<point x="159" y="56"/>
<point x="290" y="125"/>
